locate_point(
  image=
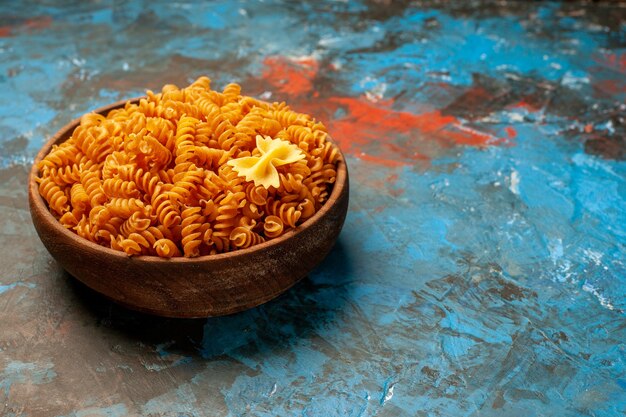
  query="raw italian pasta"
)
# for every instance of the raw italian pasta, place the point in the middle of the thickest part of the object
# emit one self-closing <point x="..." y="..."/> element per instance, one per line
<point x="189" y="172"/>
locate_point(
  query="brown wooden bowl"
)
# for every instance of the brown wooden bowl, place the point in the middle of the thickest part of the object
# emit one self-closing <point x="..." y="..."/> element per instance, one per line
<point x="205" y="286"/>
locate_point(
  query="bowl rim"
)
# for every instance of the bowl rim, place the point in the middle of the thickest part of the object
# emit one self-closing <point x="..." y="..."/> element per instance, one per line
<point x="38" y="201"/>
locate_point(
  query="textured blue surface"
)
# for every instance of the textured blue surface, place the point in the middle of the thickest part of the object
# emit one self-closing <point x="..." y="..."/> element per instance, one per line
<point x="481" y="270"/>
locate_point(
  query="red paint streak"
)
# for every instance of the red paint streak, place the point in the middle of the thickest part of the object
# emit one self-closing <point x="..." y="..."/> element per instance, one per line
<point x="290" y="76"/>
<point x="366" y="121"/>
<point x="36" y="23"/>
<point x="510" y="132"/>
<point x="391" y="163"/>
<point x="610" y="87"/>
<point x="376" y="133"/>
<point x="613" y="60"/>
<point x="473" y="100"/>
<point x="525" y="105"/>
<point x="397" y="192"/>
<point x="373" y="132"/>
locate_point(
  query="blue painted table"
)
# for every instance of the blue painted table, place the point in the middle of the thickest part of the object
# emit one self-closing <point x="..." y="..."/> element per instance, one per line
<point x="481" y="270"/>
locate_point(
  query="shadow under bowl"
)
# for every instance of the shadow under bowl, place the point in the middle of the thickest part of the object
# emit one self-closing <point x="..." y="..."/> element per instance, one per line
<point x="205" y="286"/>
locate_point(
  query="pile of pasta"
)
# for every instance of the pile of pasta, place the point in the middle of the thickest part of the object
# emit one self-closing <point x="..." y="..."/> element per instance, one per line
<point x="154" y="178"/>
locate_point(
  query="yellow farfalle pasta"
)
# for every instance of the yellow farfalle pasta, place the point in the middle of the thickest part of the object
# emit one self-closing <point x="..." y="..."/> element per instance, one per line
<point x="262" y="169"/>
<point x="189" y="172"/>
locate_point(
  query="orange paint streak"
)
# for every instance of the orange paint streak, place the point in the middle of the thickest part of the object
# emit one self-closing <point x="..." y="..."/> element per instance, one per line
<point x="525" y="105"/>
<point x="613" y="60"/>
<point x="373" y="132"/>
<point x="391" y="163"/>
<point x="365" y="120"/>
<point x="379" y="134"/>
<point x="38" y="23"/>
<point x="610" y="87"/>
<point x="510" y="132"/>
<point x="289" y="76"/>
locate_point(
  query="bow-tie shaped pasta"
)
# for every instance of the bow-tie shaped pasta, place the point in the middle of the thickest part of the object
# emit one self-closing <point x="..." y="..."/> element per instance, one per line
<point x="262" y="169"/>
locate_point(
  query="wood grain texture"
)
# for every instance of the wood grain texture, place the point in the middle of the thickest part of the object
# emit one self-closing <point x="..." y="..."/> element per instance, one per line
<point x="206" y="286"/>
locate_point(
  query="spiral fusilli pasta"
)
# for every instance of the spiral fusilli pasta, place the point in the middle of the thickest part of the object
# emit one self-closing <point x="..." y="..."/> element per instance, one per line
<point x="189" y="172"/>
